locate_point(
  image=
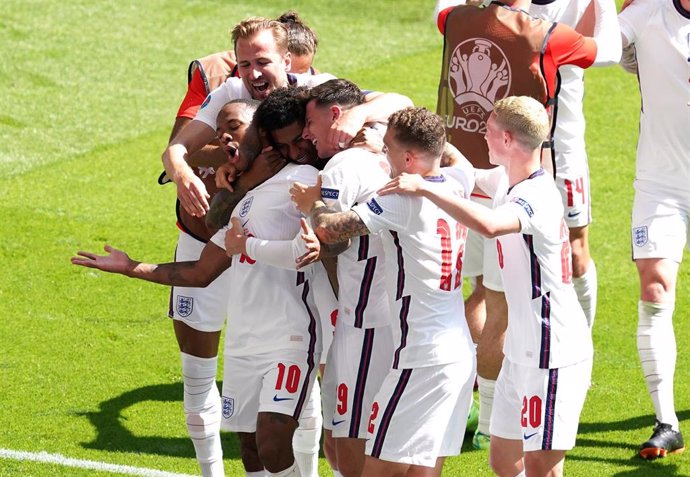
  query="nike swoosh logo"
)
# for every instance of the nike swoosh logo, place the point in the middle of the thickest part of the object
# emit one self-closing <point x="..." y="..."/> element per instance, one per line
<point x="277" y="399"/>
<point x="335" y="423"/>
<point x="574" y="214"/>
<point x="529" y="436"/>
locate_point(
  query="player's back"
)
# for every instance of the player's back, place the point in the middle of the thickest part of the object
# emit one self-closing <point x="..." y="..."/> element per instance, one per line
<point x="423" y="247"/>
<point x="546" y="325"/>
<point x="349" y="178"/>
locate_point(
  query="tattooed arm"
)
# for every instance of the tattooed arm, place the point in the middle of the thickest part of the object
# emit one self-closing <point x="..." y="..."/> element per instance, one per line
<point x="335" y="227"/>
<point x="200" y="273"/>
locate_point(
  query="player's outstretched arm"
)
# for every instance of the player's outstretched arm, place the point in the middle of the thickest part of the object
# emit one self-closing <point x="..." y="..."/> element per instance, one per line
<point x="488" y="222"/>
<point x="377" y="108"/>
<point x="200" y="273"/>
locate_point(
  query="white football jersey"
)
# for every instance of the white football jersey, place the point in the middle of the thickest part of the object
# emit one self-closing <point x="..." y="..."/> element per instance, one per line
<point x="660" y="31"/>
<point x="234" y="88"/>
<point x="352" y="177"/>
<point x="546" y="325"/>
<point x="424" y="247"/>
<point x="270" y="308"/>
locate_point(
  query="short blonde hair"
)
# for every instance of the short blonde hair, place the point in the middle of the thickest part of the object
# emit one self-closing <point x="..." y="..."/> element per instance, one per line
<point x="525" y="117"/>
<point x="249" y="27"/>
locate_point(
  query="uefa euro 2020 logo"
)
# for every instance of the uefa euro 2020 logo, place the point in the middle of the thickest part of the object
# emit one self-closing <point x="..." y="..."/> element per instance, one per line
<point x="478" y="75"/>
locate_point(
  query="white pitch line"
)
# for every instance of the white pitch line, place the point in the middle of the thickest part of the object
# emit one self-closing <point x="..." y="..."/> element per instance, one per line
<point x="85" y="464"/>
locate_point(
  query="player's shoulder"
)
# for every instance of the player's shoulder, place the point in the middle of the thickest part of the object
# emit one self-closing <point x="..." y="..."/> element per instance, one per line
<point x="300" y="173"/>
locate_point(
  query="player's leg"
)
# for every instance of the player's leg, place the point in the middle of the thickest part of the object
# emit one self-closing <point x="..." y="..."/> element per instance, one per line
<point x="250" y="455"/>
<point x="198" y="316"/>
<point x="306" y="441"/>
<point x="572" y="180"/>
<point x="327" y="307"/>
<point x="505" y="456"/>
<point x="584" y="272"/>
<point x="274" y="433"/>
<point x="489" y="359"/>
<point x="659" y="233"/>
<point x="544" y="463"/>
<point x="328" y="398"/>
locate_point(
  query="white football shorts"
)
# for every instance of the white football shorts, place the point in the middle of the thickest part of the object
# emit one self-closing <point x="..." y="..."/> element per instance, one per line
<point x="203" y="309"/>
<point x="660" y="220"/>
<point x="416" y="416"/>
<point x="572" y="180"/>
<point x="540" y="407"/>
<point x="361" y="359"/>
<point x="279" y="382"/>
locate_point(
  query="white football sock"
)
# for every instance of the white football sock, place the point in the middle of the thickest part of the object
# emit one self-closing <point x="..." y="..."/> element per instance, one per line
<point x="202" y="412"/>
<point x="486" y="403"/>
<point x="261" y="473"/>
<point x="292" y="471"/>
<point x="337" y="473"/>
<point x="656" y="345"/>
<point x="586" y="289"/>
<point x="307" y="437"/>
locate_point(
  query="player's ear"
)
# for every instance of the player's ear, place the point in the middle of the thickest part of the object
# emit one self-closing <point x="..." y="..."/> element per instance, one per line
<point x="336" y="112"/>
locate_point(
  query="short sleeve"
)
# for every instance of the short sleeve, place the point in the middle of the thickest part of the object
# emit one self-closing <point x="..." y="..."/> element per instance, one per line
<point x="219" y="237"/>
<point x="568" y="47"/>
<point x="391" y="212"/>
<point x="633" y="19"/>
<point x="196" y="94"/>
<point x="214" y="102"/>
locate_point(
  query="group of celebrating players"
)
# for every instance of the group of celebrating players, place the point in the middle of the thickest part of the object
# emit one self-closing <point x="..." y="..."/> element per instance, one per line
<point x="331" y="227"/>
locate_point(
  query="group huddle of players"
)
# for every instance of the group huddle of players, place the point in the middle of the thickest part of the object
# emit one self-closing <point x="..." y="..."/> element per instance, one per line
<point x="333" y="226"/>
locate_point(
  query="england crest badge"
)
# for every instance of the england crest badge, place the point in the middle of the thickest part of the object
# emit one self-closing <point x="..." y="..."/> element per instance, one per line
<point x="228" y="407"/>
<point x="640" y="236"/>
<point x="184" y="306"/>
<point x="246" y="205"/>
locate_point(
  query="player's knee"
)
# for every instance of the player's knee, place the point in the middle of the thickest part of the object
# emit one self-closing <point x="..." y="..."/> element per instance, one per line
<point x="501" y="466"/>
<point x="274" y="454"/>
<point x="306" y="441"/>
<point x="657" y="280"/>
<point x="655" y="287"/>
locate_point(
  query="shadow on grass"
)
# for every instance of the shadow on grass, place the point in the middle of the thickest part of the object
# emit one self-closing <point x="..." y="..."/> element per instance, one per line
<point x="112" y="434"/>
<point x="634" y="465"/>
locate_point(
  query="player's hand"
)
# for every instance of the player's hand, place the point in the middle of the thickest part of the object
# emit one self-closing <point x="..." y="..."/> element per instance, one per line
<point x="266" y="165"/>
<point x="408" y="184"/>
<point x="192" y="194"/>
<point x="225" y="176"/>
<point x="369" y="139"/>
<point x="345" y="128"/>
<point x="311" y="244"/>
<point x="116" y="261"/>
<point x="305" y="196"/>
<point x="235" y="239"/>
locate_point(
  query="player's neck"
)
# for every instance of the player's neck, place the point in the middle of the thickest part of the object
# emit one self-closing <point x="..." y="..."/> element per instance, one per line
<point x="521" y="168"/>
<point x="685" y="4"/>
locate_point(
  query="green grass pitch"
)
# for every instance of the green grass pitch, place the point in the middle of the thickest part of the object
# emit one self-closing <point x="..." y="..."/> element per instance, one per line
<point x="89" y="90"/>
